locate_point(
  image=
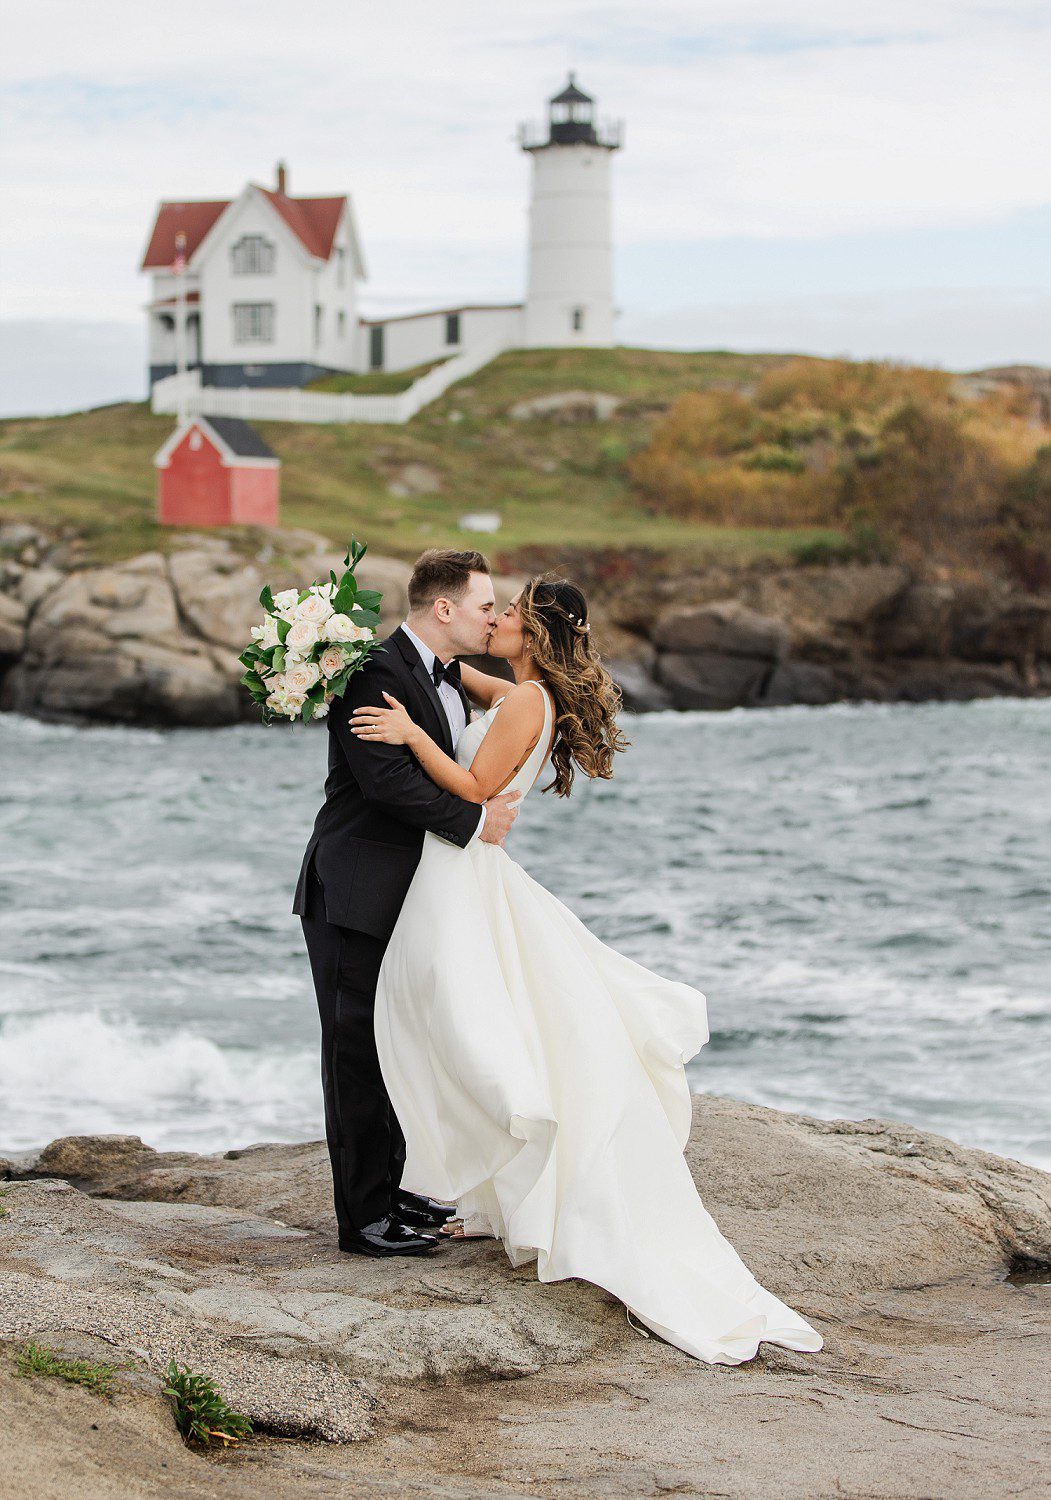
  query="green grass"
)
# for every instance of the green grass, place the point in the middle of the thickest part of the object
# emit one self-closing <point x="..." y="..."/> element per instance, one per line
<point x="372" y="382"/>
<point x="555" y="486"/>
<point x="201" y="1414"/>
<point x="34" y="1359"/>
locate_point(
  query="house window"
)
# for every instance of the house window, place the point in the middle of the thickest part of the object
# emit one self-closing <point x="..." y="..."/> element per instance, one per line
<point x="319" y="324"/>
<point x="578" y="320"/>
<point x="341" y="266"/>
<point x="376" y="347"/>
<point x="341" y="325"/>
<point x="253" y="322"/>
<point x="452" y="328"/>
<point x="252" y="256"/>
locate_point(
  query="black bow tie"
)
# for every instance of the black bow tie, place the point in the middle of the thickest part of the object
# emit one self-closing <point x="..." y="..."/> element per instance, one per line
<point x="442" y="673"/>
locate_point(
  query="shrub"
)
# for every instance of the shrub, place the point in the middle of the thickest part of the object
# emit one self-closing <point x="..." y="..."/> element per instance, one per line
<point x="844" y="388"/>
<point x="927" y="476"/>
<point x="201" y="1414"/>
<point x="775" y="460"/>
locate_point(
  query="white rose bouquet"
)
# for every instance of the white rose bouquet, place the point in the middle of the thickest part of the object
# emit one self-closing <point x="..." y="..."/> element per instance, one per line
<point x="310" y="644"/>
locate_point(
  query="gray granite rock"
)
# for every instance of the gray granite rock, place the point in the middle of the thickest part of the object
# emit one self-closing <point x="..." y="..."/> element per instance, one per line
<point x="461" y="1376"/>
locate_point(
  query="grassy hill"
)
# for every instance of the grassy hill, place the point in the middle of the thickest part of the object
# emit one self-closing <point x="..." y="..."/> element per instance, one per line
<point x="689" y="427"/>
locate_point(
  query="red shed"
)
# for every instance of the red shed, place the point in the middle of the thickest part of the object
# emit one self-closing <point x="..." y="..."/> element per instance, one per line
<point x="217" y="471"/>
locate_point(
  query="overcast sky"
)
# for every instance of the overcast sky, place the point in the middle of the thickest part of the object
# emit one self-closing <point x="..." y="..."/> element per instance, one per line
<point x="871" y="179"/>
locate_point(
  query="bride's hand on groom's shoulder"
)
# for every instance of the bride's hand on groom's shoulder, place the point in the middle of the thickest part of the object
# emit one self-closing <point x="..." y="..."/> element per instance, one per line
<point x="384" y="726"/>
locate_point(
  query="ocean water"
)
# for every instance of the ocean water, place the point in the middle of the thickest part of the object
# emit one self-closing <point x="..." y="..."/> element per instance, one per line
<point x="862" y="892"/>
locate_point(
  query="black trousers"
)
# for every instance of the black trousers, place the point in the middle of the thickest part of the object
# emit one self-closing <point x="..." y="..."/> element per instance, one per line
<point x="365" y="1142"/>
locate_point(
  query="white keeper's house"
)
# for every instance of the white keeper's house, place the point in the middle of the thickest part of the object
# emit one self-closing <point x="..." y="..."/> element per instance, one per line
<point x="264" y="289"/>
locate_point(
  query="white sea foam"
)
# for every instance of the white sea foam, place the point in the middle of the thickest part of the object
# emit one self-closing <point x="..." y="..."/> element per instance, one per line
<point x="86" y="1074"/>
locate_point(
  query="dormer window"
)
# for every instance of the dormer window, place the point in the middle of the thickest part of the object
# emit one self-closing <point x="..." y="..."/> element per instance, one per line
<point x="253" y="255"/>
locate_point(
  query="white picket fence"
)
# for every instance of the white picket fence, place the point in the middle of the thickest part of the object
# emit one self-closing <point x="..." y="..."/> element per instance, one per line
<point x="185" y="394"/>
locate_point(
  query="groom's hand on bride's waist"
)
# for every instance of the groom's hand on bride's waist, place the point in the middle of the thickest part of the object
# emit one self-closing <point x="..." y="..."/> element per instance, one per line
<point x="500" y="813"/>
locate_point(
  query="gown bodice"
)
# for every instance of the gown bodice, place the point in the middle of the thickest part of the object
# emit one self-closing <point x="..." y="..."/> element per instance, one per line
<point x="478" y="728"/>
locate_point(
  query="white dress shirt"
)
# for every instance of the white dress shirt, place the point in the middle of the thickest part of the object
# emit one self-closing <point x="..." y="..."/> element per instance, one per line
<point x="451" y="701"/>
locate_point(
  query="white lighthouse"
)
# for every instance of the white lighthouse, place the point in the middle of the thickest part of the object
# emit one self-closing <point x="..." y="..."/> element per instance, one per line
<point x="569" y="294"/>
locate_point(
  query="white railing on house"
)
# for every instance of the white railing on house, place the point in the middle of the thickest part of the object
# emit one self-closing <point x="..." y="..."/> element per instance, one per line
<point x="184" y="394"/>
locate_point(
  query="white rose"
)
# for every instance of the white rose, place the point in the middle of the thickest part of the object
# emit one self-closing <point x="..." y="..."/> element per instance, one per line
<point x="321" y="709"/>
<point x="331" y="661"/>
<point x="314" y="608"/>
<point x="285" y="603"/>
<point x="302" y="638"/>
<point x="340" y="628"/>
<point x="294" y="704"/>
<point x="266" y="634"/>
<point x="302" y="677"/>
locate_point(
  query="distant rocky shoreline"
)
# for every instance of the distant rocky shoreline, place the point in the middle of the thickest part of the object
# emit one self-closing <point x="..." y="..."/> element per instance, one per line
<point x="154" y="640"/>
<point x="461" y="1376"/>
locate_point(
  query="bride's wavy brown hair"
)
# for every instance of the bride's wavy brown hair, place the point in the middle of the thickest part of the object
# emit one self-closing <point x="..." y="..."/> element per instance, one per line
<point x="554" y="615"/>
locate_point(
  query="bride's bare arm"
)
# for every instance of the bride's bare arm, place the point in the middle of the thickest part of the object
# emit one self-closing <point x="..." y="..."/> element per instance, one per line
<point x="503" y="752"/>
<point x="482" y="688"/>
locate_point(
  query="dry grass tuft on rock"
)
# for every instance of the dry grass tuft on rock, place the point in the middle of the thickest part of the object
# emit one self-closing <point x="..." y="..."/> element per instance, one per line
<point x="35" y="1359"/>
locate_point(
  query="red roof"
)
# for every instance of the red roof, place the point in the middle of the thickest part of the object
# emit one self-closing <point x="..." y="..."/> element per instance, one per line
<point x="312" y="220"/>
<point x="194" y="219"/>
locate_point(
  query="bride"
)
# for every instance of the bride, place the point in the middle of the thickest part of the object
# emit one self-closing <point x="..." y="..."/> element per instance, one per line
<point x="538" y="1074"/>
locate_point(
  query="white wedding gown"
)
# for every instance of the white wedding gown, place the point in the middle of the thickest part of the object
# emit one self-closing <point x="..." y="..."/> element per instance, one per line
<point x="538" y="1077"/>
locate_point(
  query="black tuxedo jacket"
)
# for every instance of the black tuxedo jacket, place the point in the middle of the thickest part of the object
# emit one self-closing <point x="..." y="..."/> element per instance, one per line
<point x="368" y="836"/>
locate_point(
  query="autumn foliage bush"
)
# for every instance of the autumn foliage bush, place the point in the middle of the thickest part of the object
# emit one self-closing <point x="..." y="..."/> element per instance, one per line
<point x="872" y="449"/>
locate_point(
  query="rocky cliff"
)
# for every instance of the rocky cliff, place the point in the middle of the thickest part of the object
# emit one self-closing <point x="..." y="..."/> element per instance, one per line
<point x="769" y="637"/>
<point x="155" y="639"/>
<point x="460" y="1376"/>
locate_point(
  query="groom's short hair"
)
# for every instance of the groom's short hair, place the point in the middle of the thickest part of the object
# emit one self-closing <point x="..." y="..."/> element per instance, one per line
<point x="442" y="573"/>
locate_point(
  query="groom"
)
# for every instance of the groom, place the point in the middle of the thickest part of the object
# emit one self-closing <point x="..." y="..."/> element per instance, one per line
<point x="358" y="866"/>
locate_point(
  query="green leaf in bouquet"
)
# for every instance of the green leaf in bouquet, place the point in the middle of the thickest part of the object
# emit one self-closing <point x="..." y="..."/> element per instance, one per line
<point x="277" y="661"/>
<point x="356" y="553"/>
<point x="283" y="627"/>
<point x="338" y="685"/>
<point x="308" y="710"/>
<point x="345" y="595"/>
<point x="365" y="617"/>
<point x="266" y="599"/>
<point x="369" y="598"/>
<point x="333" y="577"/>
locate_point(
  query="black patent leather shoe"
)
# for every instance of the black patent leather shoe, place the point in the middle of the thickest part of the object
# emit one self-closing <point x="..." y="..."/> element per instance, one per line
<point x="420" y="1212"/>
<point x="387" y="1236"/>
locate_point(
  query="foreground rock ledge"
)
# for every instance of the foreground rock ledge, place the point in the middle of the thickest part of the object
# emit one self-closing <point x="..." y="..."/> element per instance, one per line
<point x="461" y="1376"/>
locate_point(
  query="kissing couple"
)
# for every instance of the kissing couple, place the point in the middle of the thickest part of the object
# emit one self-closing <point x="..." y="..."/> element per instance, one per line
<point x="480" y="1047"/>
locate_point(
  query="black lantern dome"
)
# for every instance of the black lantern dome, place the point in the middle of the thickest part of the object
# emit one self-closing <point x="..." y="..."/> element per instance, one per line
<point x="571" y="122"/>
